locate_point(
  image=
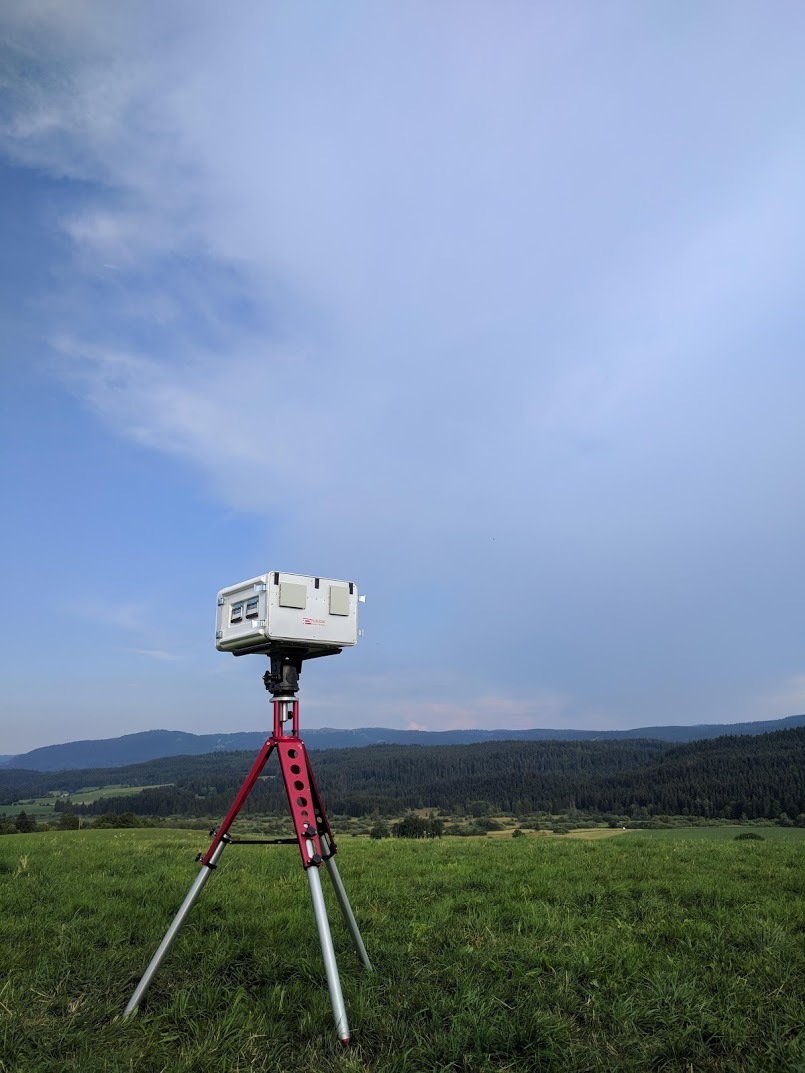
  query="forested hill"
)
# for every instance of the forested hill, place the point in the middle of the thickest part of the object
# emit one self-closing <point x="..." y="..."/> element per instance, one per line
<point x="153" y="744"/>
<point x="391" y="772"/>
<point x="732" y="776"/>
<point x="755" y="776"/>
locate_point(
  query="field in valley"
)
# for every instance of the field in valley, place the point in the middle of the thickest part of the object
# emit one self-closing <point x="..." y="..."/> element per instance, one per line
<point x="43" y="808"/>
<point x="633" y="953"/>
<point x="710" y="834"/>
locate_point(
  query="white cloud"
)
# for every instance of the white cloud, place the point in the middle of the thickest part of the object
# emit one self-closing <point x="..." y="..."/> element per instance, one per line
<point x="158" y="654"/>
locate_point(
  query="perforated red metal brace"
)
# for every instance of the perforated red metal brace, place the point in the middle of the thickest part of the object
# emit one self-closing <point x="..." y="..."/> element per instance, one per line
<point x="307" y="812"/>
<point x="302" y="798"/>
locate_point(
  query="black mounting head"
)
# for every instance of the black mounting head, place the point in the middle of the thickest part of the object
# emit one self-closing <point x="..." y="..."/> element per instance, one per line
<point x="283" y="679"/>
<point x="286" y="664"/>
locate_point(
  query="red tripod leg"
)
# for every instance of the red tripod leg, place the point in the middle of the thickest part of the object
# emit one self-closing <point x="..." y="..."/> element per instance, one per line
<point x="243" y="793"/>
<point x="322" y="823"/>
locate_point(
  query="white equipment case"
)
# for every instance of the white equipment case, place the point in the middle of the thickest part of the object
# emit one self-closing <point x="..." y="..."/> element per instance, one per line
<point x="288" y="609"/>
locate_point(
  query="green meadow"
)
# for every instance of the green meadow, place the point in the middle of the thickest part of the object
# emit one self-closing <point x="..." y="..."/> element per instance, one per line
<point x="709" y="834"/>
<point x="629" y="954"/>
<point x="43" y="808"/>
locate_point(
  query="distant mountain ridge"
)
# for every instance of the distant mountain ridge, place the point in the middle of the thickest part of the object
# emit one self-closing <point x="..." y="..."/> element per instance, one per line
<point x="154" y="744"/>
<point x="760" y="776"/>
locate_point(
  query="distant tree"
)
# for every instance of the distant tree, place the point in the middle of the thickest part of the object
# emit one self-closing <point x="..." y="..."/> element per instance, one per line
<point x="380" y="830"/>
<point x="483" y="823"/>
<point x="413" y="826"/>
<point x="518" y="833"/>
<point x="410" y="826"/>
<point x="68" y="821"/>
<point x="117" y="819"/>
<point x="25" y="824"/>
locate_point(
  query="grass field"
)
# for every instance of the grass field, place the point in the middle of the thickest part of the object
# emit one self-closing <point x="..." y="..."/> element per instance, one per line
<point x="709" y="834"/>
<point x="626" y="954"/>
<point x="42" y="808"/>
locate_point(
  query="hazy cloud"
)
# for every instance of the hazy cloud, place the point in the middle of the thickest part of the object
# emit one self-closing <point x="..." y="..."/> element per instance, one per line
<point x="155" y="653"/>
<point x="496" y="307"/>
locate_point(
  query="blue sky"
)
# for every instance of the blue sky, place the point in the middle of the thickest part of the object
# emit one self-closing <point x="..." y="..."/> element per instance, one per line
<point x="495" y="308"/>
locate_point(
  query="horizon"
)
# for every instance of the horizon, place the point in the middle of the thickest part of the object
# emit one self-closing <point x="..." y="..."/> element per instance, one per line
<point x="403" y="730"/>
<point x="495" y="312"/>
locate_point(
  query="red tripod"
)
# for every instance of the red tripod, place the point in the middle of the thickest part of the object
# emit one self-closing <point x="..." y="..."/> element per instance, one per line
<point x="313" y="836"/>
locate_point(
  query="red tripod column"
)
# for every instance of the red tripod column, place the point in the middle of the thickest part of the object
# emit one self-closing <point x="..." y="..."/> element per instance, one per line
<point x="303" y="798"/>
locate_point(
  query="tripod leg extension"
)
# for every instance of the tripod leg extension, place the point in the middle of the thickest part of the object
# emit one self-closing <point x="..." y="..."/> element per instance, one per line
<point x="327" y="843"/>
<point x="173" y="931"/>
<point x="346" y="909"/>
<point x="328" y="953"/>
<point x="306" y="807"/>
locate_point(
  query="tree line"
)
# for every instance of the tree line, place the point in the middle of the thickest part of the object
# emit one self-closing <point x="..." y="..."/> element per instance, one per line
<point x="756" y="777"/>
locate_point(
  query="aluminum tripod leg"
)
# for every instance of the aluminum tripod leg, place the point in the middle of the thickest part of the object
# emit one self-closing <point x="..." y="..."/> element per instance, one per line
<point x="173" y="931"/>
<point x="328" y="953"/>
<point x="208" y="862"/>
<point x="346" y="909"/>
